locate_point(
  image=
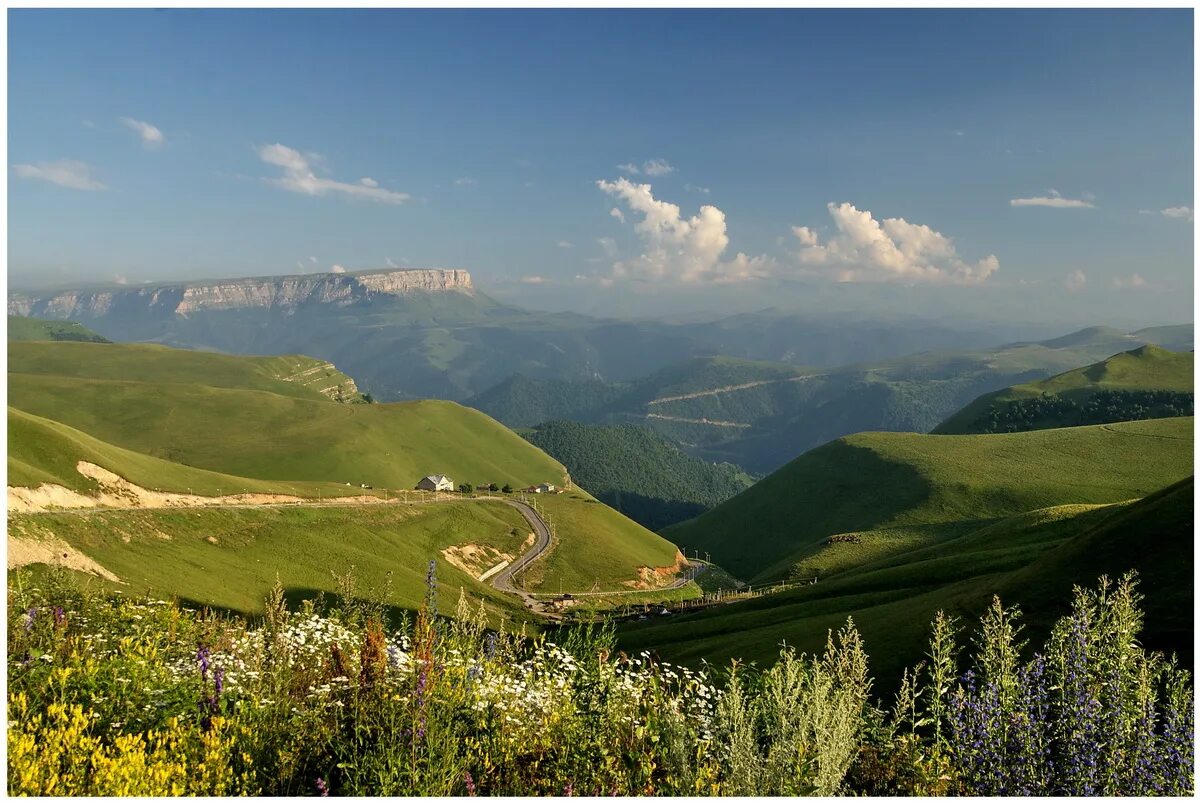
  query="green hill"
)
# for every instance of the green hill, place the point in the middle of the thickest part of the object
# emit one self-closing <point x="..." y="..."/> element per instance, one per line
<point x="1147" y="382"/>
<point x="20" y="328"/>
<point x="1031" y="560"/>
<point x="212" y="424"/>
<point x="896" y="491"/>
<point x="637" y="471"/>
<point x="241" y="416"/>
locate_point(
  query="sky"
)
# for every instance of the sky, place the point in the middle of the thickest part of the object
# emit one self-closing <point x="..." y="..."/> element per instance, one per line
<point x="986" y="164"/>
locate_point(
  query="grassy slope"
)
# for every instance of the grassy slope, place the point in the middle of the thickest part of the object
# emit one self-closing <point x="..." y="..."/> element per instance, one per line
<point x="277" y="436"/>
<point x="170" y="403"/>
<point x="388" y="549"/>
<point x="1144" y="368"/>
<point x="598" y="547"/>
<point x="1031" y="559"/>
<point x="638" y="471"/>
<point x="20" y="328"/>
<point x="922" y="488"/>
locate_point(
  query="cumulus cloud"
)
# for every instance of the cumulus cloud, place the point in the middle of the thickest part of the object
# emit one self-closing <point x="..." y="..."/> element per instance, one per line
<point x="630" y="168"/>
<point x="298" y="176"/>
<point x="1075" y="281"/>
<point x="1055" y="200"/>
<point x="150" y="135"/>
<point x="69" y="173"/>
<point x="867" y="250"/>
<point x="367" y="181"/>
<point x="337" y="269"/>
<point x="677" y="248"/>
<point x="1134" y="282"/>
<point x="618" y="214"/>
<point x="1178" y="212"/>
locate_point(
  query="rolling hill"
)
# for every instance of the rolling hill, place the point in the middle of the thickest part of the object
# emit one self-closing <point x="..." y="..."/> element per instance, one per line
<point x="760" y="415"/>
<point x="208" y="424"/>
<point x="1147" y="382"/>
<point x="637" y="471"/>
<point x="21" y="328"/>
<point x="894" y="492"/>
<point x="1032" y="560"/>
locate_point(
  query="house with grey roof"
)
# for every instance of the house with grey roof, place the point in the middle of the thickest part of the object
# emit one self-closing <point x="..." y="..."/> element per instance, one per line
<point x="435" y="482"/>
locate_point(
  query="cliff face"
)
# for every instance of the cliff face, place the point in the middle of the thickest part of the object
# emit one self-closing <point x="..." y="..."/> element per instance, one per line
<point x="278" y="292"/>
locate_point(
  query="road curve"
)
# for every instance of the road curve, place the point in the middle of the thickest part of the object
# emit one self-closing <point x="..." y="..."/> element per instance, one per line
<point x="541" y="544"/>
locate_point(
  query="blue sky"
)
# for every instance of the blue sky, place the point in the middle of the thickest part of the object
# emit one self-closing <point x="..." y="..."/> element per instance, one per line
<point x="997" y="160"/>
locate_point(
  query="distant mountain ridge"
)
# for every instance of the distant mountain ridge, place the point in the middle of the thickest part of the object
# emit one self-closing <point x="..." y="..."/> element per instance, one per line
<point x="759" y="415"/>
<point x="269" y="292"/>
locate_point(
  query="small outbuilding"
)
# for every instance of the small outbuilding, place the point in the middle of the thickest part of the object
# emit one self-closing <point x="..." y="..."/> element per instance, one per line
<point x="435" y="482"/>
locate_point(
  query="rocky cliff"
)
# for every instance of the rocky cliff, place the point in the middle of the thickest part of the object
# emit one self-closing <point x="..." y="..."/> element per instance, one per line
<point x="271" y="292"/>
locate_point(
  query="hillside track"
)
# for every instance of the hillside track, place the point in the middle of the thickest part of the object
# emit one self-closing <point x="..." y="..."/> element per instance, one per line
<point x="732" y="388"/>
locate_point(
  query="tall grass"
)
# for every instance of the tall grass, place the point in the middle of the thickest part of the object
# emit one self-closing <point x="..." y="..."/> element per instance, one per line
<point x="111" y="696"/>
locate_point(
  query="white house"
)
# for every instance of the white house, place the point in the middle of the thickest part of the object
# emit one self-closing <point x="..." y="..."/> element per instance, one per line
<point x="435" y="482"/>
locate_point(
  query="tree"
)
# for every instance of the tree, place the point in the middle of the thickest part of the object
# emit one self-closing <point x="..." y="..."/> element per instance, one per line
<point x="466" y="488"/>
<point x="507" y="488"/>
<point x="493" y="487"/>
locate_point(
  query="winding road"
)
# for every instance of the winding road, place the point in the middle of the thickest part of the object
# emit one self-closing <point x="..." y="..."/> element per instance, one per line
<point x="502" y="581"/>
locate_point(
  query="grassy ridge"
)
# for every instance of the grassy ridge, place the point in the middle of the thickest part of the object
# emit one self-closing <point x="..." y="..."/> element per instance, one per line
<point x="234" y="415"/>
<point x="637" y="471"/>
<point x="20" y="328"/>
<point x="1032" y="559"/>
<point x="930" y="487"/>
<point x="1148" y="368"/>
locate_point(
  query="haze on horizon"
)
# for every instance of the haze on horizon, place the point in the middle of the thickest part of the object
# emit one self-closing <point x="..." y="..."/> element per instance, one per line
<point x="621" y="162"/>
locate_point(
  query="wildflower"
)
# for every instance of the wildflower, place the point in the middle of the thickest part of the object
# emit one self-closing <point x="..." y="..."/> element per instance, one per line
<point x="322" y="789"/>
<point x="470" y="783"/>
<point x="30" y="616"/>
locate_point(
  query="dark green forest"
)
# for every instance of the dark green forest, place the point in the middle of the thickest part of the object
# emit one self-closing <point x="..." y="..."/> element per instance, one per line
<point x="1103" y="407"/>
<point x="637" y="471"/>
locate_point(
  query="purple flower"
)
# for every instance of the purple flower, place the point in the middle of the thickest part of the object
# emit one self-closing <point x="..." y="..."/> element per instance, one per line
<point x="322" y="789"/>
<point x="30" y="617"/>
<point x="470" y="783"/>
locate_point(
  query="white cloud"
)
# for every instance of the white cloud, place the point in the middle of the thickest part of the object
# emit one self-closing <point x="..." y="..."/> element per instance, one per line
<point x="1134" y="282"/>
<point x="867" y="250"/>
<point x="1075" y="281"/>
<point x="651" y="167"/>
<point x="618" y="214"/>
<point x="1178" y="212"/>
<point x="65" y="173"/>
<point x="312" y="260"/>
<point x="565" y="244"/>
<point x="337" y="269"/>
<point x="367" y="181"/>
<point x="677" y="248"/>
<point x="464" y="181"/>
<point x="657" y="167"/>
<point x="532" y="280"/>
<point x="1055" y="200"/>
<point x="120" y="278"/>
<point x="151" y="136"/>
<point x="298" y="176"/>
<point x="694" y="188"/>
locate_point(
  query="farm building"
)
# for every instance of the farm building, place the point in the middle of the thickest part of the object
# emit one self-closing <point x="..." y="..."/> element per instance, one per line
<point x="544" y="488"/>
<point x="435" y="482"/>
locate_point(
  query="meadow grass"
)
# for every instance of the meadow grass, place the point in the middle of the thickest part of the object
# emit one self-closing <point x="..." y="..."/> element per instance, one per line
<point x="875" y="481"/>
<point x="131" y="696"/>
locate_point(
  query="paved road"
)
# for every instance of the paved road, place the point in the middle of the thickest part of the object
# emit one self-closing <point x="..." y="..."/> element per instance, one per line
<point x="502" y="581"/>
